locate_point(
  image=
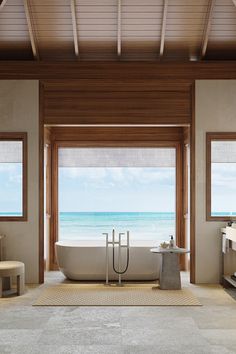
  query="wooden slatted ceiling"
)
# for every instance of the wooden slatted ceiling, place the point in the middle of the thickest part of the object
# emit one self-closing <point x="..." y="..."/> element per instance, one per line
<point x="14" y="34"/>
<point x="53" y="25"/>
<point x="185" y="28"/>
<point x="222" y="38"/>
<point x="97" y="29"/>
<point x="141" y="29"/>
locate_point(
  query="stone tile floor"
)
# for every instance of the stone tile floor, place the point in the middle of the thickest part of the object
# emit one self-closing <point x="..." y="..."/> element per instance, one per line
<point x="208" y="329"/>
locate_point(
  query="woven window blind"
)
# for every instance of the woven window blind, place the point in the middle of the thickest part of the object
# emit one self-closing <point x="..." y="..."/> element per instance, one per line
<point x="117" y="157"/>
<point x="11" y="151"/>
<point x="223" y="151"/>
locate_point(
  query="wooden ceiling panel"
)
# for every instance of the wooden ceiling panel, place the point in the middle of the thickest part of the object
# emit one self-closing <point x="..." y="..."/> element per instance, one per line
<point x="222" y="37"/>
<point x="105" y="49"/>
<point x="141" y="29"/>
<point x="97" y="29"/>
<point x="53" y="29"/>
<point x="14" y="35"/>
<point x="227" y="51"/>
<point x="118" y="30"/>
<point x="19" y="50"/>
<point x="185" y="28"/>
<point x="135" y="49"/>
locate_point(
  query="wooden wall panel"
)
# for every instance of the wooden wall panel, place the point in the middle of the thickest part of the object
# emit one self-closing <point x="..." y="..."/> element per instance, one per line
<point x="104" y="135"/>
<point x="116" y="102"/>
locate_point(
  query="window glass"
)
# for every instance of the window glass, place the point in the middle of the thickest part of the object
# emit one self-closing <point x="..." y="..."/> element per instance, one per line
<point x="11" y="178"/>
<point x="223" y="178"/>
<point x="125" y="188"/>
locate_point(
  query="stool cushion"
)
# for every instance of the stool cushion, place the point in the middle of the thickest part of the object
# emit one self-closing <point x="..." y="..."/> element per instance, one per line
<point x="8" y="268"/>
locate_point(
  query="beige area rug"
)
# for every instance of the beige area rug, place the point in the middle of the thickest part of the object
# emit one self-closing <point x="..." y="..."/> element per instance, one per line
<point x="101" y="295"/>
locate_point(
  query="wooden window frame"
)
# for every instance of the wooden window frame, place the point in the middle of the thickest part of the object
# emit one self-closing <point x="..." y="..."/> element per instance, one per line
<point x="65" y="142"/>
<point x="209" y="138"/>
<point x="13" y="136"/>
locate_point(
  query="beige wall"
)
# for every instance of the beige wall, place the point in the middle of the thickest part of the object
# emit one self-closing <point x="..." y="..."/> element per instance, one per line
<point x="19" y="107"/>
<point x="215" y="112"/>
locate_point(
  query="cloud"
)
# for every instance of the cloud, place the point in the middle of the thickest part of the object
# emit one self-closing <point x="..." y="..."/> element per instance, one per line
<point x="86" y="173"/>
<point x="162" y="176"/>
<point x="224" y="175"/>
<point x="105" y="178"/>
<point x="7" y="167"/>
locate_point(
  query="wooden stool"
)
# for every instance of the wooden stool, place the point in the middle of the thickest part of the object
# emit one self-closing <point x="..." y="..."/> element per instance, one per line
<point x="10" y="269"/>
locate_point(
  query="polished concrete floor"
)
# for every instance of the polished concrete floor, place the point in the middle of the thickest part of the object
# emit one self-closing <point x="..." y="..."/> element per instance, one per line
<point x="210" y="328"/>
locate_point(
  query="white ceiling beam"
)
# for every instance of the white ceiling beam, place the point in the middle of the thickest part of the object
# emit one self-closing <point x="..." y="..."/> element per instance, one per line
<point x="163" y="27"/>
<point x="207" y="28"/>
<point x="2" y="3"/>
<point x="31" y="29"/>
<point x="119" y="28"/>
<point x="74" y="27"/>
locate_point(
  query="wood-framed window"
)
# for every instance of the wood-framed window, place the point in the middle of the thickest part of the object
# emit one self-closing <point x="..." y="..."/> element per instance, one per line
<point x="220" y="176"/>
<point x="115" y="138"/>
<point x="13" y="176"/>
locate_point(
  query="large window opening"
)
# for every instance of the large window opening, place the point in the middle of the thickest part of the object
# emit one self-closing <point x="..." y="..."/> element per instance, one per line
<point x="221" y="176"/>
<point x="126" y="188"/>
<point x="13" y="177"/>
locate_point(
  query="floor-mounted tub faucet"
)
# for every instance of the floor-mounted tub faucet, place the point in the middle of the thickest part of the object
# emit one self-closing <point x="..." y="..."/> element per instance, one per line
<point x="113" y="242"/>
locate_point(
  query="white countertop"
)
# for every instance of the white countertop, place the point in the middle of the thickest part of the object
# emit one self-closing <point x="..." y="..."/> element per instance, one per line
<point x="169" y="250"/>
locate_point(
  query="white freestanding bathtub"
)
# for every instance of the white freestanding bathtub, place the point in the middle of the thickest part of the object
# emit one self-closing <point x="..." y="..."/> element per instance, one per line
<point x="85" y="260"/>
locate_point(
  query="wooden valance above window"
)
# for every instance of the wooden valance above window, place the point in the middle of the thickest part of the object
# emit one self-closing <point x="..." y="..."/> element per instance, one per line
<point x="108" y="101"/>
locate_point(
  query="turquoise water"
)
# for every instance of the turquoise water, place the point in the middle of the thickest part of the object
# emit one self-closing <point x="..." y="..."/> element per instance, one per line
<point x="228" y="214"/>
<point x="91" y="225"/>
<point x="10" y="214"/>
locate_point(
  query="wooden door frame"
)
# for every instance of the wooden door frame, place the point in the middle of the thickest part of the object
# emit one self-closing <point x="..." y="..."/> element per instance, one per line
<point x="192" y="191"/>
<point x="41" y="187"/>
<point x="68" y="140"/>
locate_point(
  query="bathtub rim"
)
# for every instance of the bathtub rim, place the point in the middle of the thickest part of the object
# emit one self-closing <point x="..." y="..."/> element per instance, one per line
<point x="102" y="243"/>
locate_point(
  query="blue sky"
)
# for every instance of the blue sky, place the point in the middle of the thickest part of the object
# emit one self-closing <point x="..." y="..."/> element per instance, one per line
<point x="224" y="187"/>
<point x="117" y="189"/>
<point x="11" y="187"/>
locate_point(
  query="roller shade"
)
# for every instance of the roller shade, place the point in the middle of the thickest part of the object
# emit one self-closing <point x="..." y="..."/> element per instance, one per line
<point x="223" y="151"/>
<point x="11" y="151"/>
<point x="116" y="157"/>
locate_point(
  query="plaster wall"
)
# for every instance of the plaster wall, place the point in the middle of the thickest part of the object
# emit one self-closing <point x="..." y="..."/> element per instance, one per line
<point x="19" y="112"/>
<point x="215" y="106"/>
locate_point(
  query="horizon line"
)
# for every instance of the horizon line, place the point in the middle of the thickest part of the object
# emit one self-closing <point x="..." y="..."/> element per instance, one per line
<point x="75" y="211"/>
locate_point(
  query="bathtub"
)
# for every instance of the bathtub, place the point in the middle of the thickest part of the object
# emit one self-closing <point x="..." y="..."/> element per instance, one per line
<point x="85" y="260"/>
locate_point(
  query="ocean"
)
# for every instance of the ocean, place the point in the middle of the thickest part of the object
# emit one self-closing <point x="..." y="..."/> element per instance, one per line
<point x="142" y="225"/>
<point x="91" y="225"/>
